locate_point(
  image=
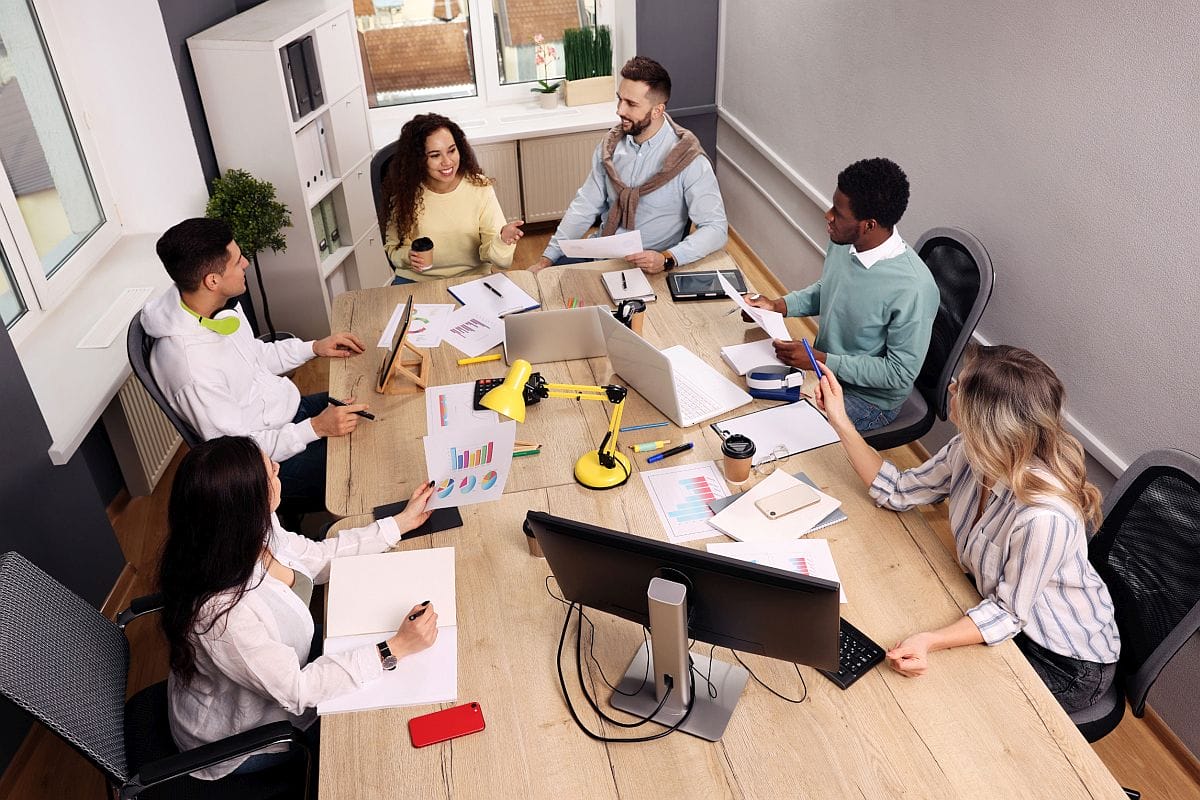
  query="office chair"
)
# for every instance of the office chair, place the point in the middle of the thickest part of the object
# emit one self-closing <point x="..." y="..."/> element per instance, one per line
<point x="139" y="344"/>
<point x="66" y="665"/>
<point x="379" y="165"/>
<point x="962" y="270"/>
<point x="1148" y="553"/>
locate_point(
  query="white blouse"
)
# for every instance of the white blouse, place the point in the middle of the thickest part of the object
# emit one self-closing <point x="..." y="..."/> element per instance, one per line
<point x="252" y="665"/>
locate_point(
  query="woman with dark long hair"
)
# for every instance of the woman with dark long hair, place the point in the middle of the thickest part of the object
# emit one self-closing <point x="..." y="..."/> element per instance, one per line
<point x="435" y="189"/>
<point x="1019" y="506"/>
<point x="236" y="589"/>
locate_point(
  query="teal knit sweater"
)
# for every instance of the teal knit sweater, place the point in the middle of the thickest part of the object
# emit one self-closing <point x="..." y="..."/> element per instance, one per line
<point x="875" y="323"/>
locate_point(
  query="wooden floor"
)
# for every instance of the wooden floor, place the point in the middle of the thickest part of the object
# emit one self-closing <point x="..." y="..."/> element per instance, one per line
<point x="47" y="769"/>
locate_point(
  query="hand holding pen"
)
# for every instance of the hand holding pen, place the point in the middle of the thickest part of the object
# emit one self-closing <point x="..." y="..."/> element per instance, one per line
<point x="340" y="419"/>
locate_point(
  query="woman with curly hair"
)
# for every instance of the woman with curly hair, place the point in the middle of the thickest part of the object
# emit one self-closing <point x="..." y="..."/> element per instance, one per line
<point x="434" y="188"/>
<point x="1019" y="506"/>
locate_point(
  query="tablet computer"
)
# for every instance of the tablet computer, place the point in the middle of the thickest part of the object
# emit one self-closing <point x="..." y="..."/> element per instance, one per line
<point x="703" y="285"/>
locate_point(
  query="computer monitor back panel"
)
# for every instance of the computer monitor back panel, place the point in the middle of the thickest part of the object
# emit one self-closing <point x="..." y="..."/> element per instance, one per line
<point x="731" y="603"/>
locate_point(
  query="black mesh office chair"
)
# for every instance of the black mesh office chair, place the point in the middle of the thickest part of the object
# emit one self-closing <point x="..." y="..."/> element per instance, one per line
<point x="1148" y="552"/>
<point x="139" y="344"/>
<point x="66" y="665"/>
<point x="379" y="165"/>
<point x="962" y="270"/>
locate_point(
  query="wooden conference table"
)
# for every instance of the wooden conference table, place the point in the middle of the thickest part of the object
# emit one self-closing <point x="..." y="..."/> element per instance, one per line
<point x="979" y="725"/>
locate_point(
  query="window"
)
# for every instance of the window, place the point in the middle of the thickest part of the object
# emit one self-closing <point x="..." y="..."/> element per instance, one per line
<point x="55" y="219"/>
<point x="417" y="51"/>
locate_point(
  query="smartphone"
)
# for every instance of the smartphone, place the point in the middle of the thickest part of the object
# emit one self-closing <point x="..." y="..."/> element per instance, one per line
<point x="783" y="503"/>
<point x="449" y="723"/>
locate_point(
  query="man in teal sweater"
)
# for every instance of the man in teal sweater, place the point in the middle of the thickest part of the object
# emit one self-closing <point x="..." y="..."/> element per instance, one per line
<point x="876" y="298"/>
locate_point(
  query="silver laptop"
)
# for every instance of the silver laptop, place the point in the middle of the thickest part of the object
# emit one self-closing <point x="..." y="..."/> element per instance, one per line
<point x="676" y="381"/>
<point x="559" y="335"/>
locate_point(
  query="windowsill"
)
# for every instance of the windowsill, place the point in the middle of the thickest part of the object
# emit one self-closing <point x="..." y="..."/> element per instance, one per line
<point x="73" y="386"/>
<point x="501" y="123"/>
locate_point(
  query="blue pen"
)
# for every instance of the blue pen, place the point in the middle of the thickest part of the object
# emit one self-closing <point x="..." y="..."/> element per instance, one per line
<point x="643" y="427"/>
<point x="813" y="359"/>
<point x="673" y="451"/>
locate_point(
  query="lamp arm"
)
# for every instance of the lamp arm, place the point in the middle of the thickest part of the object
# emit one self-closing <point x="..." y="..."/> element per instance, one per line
<point x="611" y="393"/>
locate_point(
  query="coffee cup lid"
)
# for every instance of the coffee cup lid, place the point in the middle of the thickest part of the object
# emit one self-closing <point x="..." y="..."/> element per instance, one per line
<point x="737" y="446"/>
<point x="423" y="243"/>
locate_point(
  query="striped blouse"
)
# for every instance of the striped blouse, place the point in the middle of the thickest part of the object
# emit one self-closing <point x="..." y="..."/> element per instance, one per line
<point x="1029" y="562"/>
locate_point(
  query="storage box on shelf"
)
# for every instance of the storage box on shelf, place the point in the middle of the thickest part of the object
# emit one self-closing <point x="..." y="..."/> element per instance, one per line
<point x="317" y="154"/>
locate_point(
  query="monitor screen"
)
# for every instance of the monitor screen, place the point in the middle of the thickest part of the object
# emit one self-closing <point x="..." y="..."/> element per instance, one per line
<point x="731" y="603"/>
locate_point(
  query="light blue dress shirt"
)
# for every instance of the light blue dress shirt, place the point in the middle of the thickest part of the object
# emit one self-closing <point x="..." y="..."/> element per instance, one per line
<point x="662" y="215"/>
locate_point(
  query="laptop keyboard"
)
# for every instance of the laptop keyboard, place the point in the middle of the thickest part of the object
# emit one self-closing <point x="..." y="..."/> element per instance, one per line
<point x="694" y="403"/>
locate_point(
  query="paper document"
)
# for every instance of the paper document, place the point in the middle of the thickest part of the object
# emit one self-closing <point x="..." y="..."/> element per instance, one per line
<point x="805" y="556"/>
<point x="473" y="332"/>
<point x="770" y="321"/>
<point x="453" y="406"/>
<point x="681" y="496"/>
<point x="469" y="465"/>
<point x="744" y="357"/>
<point x="369" y="598"/>
<point x="424" y="326"/>
<point x="600" y="247"/>
<point x="373" y="593"/>
<point x="496" y="295"/>
<point x="743" y="521"/>
<point x="796" y="427"/>
<point x="430" y="676"/>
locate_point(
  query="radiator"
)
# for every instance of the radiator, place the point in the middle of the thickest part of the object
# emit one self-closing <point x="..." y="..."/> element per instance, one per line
<point x="553" y="169"/>
<point x="142" y="437"/>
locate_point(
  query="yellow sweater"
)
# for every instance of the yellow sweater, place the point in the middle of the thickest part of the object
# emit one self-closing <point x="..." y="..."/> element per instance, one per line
<point x="465" y="228"/>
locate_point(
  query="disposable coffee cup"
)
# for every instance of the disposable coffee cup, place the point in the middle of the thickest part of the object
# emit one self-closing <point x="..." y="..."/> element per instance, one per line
<point x="635" y="322"/>
<point x="738" y="451"/>
<point x="423" y="245"/>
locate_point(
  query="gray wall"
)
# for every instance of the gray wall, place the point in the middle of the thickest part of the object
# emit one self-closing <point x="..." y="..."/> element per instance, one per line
<point x="51" y="515"/>
<point x="1062" y="135"/>
<point x="682" y="36"/>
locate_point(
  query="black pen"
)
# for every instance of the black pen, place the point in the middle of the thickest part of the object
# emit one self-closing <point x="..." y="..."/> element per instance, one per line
<point x="416" y="614"/>
<point x="333" y="401"/>
<point x="624" y="285"/>
<point x="492" y="289"/>
<point x="674" y="451"/>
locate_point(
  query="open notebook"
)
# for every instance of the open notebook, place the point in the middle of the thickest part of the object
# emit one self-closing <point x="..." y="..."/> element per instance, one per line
<point x="369" y="597"/>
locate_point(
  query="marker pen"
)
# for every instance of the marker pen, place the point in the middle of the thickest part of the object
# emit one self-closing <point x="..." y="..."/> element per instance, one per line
<point x="812" y="358"/>
<point x="673" y="451"/>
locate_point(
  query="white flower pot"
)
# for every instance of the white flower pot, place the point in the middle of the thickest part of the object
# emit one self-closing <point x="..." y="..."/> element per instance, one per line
<point x="547" y="99"/>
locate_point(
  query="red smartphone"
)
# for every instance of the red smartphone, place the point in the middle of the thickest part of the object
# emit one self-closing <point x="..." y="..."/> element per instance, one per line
<point x="449" y="723"/>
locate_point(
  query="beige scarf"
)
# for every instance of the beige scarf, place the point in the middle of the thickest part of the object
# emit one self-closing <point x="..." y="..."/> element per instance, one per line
<point x="624" y="211"/>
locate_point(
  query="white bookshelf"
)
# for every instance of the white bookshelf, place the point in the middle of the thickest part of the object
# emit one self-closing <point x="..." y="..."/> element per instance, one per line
<point x="242" y="83"/>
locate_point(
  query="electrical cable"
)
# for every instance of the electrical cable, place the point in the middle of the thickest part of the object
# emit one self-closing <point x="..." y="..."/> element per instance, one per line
<point x="760" y="682"/>
<point x="592" y="646"/>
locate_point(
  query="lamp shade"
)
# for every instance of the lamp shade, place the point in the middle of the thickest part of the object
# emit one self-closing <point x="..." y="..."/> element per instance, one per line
<point x="509" y="397"/>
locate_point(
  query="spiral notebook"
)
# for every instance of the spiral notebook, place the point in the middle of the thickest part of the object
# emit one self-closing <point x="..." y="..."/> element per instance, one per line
<point x="628" y="284"/>
<point x="834" y="518"/>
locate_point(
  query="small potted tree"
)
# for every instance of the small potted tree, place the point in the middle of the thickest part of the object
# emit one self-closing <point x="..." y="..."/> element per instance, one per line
<point x="257" y="219"/>
<point x="588" y="53"/>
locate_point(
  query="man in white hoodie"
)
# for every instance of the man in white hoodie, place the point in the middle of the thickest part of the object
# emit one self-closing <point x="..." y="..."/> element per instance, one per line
<point x="225" y="382"/>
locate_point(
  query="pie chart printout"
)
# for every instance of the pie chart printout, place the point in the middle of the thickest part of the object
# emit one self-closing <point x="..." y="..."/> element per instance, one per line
<point x="488" y="481"/>
<point x="445" y="487"/>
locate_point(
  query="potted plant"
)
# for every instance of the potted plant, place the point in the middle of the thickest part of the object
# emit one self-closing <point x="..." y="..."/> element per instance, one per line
<point x="543" y="54"/>
<point x="588" y="53"/>
<point x="257" y="219"/>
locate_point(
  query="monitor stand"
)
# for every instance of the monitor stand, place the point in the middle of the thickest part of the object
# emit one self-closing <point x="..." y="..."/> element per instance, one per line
<point x="667" y="654"/>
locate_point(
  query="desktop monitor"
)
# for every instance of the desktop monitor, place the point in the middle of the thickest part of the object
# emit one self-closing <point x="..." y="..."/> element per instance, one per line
<point x="729" y="603"/>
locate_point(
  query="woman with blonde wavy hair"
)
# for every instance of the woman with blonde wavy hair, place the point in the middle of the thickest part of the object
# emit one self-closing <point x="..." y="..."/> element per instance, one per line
<point x="1019" y="506"/>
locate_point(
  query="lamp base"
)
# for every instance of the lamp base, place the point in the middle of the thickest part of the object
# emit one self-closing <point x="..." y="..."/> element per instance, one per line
<point x="591" y="473"/>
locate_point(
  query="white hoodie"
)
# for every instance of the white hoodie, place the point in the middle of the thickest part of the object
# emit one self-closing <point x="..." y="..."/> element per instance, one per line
<point x="227" y="385"/>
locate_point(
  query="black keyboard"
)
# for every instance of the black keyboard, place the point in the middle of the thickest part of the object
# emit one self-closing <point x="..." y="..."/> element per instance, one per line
<point x="857" y="655"/>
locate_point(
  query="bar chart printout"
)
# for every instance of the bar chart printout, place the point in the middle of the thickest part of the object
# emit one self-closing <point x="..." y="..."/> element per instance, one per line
<point x="469" y="465"/>
<point x="472" y="332"/>
<point x="681" y="496"/>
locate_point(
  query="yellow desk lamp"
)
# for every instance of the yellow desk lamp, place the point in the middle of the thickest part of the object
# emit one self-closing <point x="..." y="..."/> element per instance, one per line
<point x="602" y="468"/>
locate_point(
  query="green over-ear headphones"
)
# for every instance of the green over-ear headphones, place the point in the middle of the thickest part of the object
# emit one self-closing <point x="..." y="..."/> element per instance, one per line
<point x="224" y="323"/>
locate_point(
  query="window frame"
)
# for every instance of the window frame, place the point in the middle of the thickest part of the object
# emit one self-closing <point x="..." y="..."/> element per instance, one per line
<point x="42" y="294"/>
<point x="490" y="92"/>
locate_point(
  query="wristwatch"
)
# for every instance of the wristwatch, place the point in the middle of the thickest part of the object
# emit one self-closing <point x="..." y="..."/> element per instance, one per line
<point x="385" y="655"/>
<point x="669" y="262"/>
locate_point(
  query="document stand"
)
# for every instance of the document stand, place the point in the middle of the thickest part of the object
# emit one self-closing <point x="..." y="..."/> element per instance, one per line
<point x="395" y="362"/>
<point x="668" y="654"/>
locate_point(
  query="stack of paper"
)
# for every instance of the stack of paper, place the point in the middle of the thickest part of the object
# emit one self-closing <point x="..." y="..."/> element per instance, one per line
<point x="369" y="597"/>
<point x="744" y="357"/>
<point x="628" y="284"/>
<point x="743" y="521"/>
